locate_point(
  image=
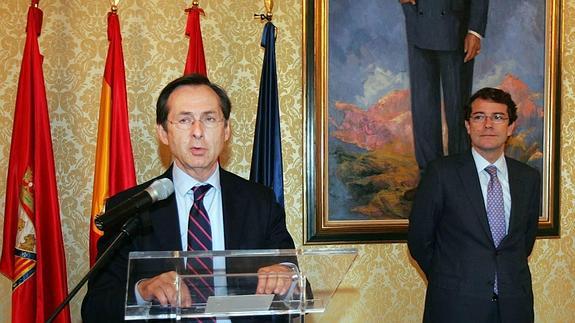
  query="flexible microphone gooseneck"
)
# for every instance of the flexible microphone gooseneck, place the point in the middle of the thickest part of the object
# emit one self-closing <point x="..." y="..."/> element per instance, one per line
<point x="159" y="190"/>
<point x="123" y="214"/>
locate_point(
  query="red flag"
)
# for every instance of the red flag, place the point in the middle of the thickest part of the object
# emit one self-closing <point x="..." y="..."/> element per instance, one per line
<point x="195" y="61"/>
<point x="114" y="170"/>
<point x="33" y="251"/>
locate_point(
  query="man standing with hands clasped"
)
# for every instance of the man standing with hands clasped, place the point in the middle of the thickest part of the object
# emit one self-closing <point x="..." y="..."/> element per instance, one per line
<point x="474" y="222"/>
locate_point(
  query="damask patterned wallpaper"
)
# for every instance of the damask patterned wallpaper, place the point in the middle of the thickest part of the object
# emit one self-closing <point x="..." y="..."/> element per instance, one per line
<point x="383" y="285"/>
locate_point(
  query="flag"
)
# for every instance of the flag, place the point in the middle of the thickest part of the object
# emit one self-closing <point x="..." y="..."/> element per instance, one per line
<point x="195" y="61"/>
<point x="33" y="250"/>
<point x="114" y="170"/>
<point x="266" y="167"/>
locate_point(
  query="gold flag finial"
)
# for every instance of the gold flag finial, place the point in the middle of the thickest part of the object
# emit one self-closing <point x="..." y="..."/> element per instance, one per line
<point x="114" y="5"/>
<point x="269" y="4"/>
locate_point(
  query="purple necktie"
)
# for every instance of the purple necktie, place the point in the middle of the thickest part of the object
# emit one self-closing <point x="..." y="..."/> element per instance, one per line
<point x="495" y="210"/>
<point x="200" y="239"/>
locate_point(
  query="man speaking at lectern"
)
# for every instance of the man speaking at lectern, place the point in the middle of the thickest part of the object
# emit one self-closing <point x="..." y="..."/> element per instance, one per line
<point x="192" y="119"/>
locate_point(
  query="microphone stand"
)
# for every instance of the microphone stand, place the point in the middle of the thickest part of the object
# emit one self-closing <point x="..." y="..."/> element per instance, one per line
<point x="128" y="229"/>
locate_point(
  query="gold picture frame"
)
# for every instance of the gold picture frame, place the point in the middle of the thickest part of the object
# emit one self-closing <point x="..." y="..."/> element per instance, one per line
<point x="320" y="228"/>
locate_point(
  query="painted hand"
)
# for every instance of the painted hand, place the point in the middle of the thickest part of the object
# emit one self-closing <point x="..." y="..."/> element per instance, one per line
<point x="471" y="46"/>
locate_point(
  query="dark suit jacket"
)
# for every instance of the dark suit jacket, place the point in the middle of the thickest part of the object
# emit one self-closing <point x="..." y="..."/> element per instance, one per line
<point x="450" y="239"/>
<point x="443" y="24"/>
<point x="252" y="220"/>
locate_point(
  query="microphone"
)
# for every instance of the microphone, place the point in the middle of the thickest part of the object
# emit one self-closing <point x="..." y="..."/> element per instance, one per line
<point x="159" y="190"/>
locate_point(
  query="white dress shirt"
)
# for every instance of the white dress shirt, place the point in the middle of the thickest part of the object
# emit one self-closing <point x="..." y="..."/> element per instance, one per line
<point x="183" y="183"/>
<point x="503" y="177"/>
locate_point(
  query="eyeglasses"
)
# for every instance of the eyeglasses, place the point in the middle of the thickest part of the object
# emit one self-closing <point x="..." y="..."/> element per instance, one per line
<point x="497" y="118"/>
<point x="186" y="122"/>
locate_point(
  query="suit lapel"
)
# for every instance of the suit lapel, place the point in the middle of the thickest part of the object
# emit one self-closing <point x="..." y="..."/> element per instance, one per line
<point x="472" y="187"/>
<point x="165" y="220"/>
<point x="515" y="189"/>
<point x="232" y="208"/>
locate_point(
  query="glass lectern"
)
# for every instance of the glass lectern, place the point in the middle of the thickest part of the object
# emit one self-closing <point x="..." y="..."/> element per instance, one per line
<point x="223" y="283"/>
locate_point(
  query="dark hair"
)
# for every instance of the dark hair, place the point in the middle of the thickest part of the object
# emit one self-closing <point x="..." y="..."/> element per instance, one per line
<point x="162" y="109"/>
<point x="493" y="95"/>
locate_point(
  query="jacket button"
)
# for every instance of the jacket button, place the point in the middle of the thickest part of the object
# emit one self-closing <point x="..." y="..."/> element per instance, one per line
<point x="421" y="13"/>
<point x="443" y="13"/>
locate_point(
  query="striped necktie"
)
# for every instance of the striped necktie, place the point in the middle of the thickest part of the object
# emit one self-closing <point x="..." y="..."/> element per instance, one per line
<point x="200" y="239"/>
<point x="199" y="228"/>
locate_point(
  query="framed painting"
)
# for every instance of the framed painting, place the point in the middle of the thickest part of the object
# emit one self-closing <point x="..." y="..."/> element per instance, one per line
<point x="359" y="152"/>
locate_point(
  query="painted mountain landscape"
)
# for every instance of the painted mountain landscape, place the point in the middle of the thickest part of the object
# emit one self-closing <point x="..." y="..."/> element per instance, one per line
<point x="378" y="166"/>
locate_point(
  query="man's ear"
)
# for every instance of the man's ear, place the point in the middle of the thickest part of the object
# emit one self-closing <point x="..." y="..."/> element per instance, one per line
<point x="162" y="134"/>
<point x="511" y="128"/>
<point x="227" y="130"/>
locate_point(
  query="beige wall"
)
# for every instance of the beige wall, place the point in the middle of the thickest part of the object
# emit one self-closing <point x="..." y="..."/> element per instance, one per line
<point x="385" y="284"/>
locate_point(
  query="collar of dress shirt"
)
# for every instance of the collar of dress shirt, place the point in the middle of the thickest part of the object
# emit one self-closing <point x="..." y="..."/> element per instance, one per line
<point x="481" y="163"/>
<point x="184" y="182"/>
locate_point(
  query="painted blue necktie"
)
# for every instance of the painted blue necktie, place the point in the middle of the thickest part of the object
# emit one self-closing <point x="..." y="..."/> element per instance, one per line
<point x="495" y="210"/>
<point x="200" y="239"/>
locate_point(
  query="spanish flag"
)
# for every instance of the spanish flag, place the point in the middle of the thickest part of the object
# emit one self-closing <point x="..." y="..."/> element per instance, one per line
<point x="33" y="250"/>
<point x="114" y="170"/>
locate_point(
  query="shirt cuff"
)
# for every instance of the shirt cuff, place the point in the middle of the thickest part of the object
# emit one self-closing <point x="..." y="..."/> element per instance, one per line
<point x="139" y="299"/>
<point x="474" y="33"/>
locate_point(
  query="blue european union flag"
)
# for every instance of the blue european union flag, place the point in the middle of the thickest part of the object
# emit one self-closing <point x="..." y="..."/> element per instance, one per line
<point x="266" y="165"/>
